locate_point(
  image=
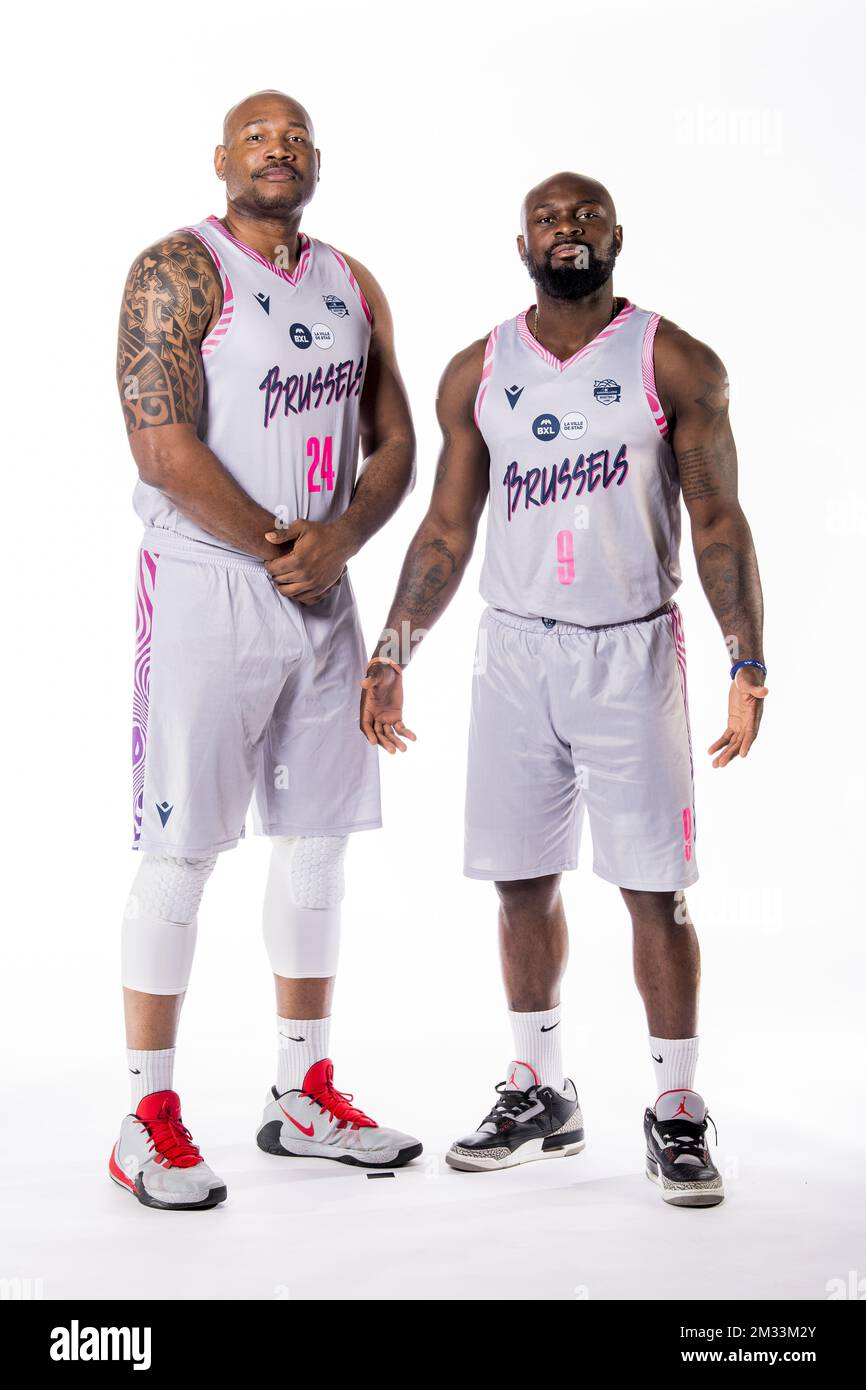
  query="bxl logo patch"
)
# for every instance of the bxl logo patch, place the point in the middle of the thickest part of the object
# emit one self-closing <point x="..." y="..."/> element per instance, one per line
<point x="545" y="427"/>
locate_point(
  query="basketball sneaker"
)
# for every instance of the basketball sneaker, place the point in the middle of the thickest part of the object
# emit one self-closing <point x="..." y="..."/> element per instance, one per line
<point x="528" y="1121"/>
<point x="677" y="1153"/>
<point x="156" y="1160"/>
<point x="319" y="1121"/>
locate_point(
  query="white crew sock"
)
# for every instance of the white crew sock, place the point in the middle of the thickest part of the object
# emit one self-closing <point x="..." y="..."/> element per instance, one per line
<point x="538" y="1044"/>
<point x="149" y="1072"/>
<point x="302" y="1042"/>
<point x="675" y="1060"/>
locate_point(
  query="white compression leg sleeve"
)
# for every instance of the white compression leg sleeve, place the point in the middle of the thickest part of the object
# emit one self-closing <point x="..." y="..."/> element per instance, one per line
<point x="159" y="924"/>
<point x="302" y="905"/>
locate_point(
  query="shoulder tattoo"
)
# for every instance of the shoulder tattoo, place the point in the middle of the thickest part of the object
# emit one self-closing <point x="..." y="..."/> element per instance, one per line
<point x="170" y="297"/>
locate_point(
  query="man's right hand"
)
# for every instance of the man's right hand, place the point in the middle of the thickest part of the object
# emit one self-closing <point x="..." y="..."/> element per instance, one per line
<point x="382" y="708"/>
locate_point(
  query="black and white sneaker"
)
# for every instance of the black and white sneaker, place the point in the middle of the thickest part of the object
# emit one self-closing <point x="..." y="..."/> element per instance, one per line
<point x="677" y="1153"/>
<point x="528" y="1121"/>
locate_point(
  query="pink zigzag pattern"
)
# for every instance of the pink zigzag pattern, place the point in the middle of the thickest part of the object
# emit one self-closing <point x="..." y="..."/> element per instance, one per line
<point x="215" y="337"/>
<point x="293" y="278"/>
<point x="680" y="646"/>
<point x="622" y="317"/>
<point x="354" y="283"/>
<point x="486" y="370"/>
<point x="648" y="372"/>
<point x="144" y="592"/>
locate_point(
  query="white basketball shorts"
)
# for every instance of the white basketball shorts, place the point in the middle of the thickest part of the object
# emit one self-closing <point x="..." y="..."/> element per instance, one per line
<point x="240" y="691"/>
<point x="566" y="719"/>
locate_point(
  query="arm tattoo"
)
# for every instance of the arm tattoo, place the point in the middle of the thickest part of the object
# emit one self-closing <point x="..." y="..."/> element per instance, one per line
<point x="426" y="576"/>
<point x="698" y="473"/>
<point x="720" y="576"/>
<point x="714" y="397"/>
<point x="442" y="465"/>
<point x="171" y="294"/>
<point x="730" y="579"/>
<point x="709" y="470"/>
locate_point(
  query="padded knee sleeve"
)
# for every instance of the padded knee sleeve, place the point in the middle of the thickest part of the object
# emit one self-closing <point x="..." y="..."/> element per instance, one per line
<point x="159" y="924"/>
<point x="301" y="915"/>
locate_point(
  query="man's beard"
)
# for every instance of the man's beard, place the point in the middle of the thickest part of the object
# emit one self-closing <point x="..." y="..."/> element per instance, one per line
<point x="279" y="198"/>
<point x="568" y="281"/>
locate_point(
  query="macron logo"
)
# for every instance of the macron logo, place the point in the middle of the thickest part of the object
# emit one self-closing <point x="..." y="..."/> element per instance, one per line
<point x="164" y="812"/>
<point x="76" y="1343"/>
<point x="513" y="393"/>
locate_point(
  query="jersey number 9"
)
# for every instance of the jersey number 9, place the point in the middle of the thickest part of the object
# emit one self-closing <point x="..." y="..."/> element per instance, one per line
<point x="565" y="557"/>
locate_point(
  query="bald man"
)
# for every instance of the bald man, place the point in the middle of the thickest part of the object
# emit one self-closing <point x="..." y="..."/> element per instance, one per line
<point x="584" y="419"/>
<point x="253" y="361"/>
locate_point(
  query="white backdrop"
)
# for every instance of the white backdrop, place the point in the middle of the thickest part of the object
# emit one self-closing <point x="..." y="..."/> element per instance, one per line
<point x="728" y="138"/>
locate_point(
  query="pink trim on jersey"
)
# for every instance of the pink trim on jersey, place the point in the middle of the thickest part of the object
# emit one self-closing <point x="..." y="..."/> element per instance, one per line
<point x="353" y="282"/>
<point x="144" y="591"/>
<point x="221" y="327"/>
<point x="648" y="372"/>
<point x="296" y="275"/>
<point x="486" y="371"/>
<point x="523" y="330"/>
<point x="679" y="636"/>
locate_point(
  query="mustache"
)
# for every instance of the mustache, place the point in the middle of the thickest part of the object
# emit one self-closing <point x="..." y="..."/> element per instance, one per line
<point x="569" y="241"/>
<point x="275" y="164"/>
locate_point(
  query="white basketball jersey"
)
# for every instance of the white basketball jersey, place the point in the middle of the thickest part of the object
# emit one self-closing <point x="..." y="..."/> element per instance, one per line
<point x="584" y="515"/>
<point x="284" y="369"/>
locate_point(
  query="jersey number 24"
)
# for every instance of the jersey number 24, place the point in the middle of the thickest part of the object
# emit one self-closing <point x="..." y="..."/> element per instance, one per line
<point x="320" y="474"/>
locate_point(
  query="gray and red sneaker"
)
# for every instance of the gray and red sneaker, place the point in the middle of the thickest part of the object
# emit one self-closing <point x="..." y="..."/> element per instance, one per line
<point x="318" y="1121"/>
<point x="677" y="1151"/>
<point x="156" y="1160"/>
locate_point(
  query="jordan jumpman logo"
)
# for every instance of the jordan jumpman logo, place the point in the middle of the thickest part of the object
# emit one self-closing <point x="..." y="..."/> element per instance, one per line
<point x="683" y="1111"/>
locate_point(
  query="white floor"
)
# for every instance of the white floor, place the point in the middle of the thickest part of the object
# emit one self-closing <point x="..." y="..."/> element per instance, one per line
<point x="591" y="1226"/>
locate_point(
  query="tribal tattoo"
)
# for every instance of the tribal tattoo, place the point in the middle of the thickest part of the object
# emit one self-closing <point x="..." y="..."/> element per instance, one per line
<point x="172" y="293"/>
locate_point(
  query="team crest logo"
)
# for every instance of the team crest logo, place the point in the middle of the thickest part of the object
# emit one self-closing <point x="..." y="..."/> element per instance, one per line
<point x="607" y="391"/>
<point x="336" y="305"/>
<point x="545" y="427"/>
<point x="549" y="622"/>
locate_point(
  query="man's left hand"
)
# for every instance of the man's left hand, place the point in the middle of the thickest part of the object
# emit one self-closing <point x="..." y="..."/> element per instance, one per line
<point x="313" y="562"/>
<point x="745" y="707"/>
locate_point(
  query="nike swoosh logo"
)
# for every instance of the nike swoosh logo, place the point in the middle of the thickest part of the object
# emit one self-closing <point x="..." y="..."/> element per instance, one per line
<point x="551" y="1028"/>
<point x="305" y="1129"/>
<point x="291" y="1039"/>
<point x="135" y="1071"/>
<point x="655" y="1058"/>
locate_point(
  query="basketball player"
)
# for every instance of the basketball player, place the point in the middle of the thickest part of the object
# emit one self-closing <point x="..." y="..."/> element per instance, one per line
<point x="584" y="419"/>
<point x="252" y="360"/>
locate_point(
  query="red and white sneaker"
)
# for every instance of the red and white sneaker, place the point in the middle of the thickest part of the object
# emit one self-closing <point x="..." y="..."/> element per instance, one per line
<point x="321" y="1122"/>
<point x="156" y="1160"/>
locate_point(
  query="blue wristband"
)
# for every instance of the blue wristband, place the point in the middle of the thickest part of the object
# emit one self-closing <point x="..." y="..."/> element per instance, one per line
<point x="738" y="665"/>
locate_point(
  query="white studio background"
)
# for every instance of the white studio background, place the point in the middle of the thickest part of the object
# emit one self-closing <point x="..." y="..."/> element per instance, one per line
<point x="728" y="136"/>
